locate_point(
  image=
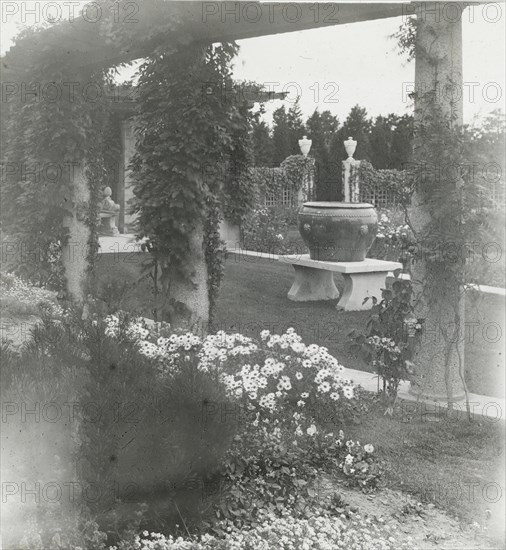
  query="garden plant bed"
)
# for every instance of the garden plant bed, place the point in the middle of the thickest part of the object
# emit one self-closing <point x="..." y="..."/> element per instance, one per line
<point x="253" y="297"/>
<point x="438" y="479"/>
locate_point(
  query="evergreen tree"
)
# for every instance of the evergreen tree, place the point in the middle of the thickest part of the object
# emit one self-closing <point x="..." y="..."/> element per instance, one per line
<point x="321" y="128"/>
<point x="280" y="136"/>
<point x="261" y="143"/>
<point x="296" y="128"/>
<point x="358" y="126"/>
<point x="381" y="142"/>
<point x="402" y="141"/>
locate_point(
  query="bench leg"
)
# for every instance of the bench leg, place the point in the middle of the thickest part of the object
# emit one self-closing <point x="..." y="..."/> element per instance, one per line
<point x="358" y="286"/>
<point x="312" y="284"/>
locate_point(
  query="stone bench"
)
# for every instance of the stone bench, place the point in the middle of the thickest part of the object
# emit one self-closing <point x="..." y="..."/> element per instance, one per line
<point x="314" y="280"/>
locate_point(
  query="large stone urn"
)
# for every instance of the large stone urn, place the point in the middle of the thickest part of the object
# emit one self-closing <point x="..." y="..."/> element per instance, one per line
<point x="338" y="231"/>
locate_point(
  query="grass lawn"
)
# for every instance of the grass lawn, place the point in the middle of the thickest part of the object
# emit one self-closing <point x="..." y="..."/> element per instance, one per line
<point x="452" y="464"/>
<point x="253" y="298"/>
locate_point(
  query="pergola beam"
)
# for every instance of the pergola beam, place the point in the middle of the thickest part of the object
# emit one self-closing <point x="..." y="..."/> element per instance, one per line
<point x="211" y="22"/>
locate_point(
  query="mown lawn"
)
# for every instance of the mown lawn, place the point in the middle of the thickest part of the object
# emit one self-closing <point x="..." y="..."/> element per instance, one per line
<point x="253" y="297"/>
<point x="453" y="464"/>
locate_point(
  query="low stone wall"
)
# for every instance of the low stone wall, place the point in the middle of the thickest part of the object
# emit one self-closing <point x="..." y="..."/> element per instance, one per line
<point x="485" y="332"/>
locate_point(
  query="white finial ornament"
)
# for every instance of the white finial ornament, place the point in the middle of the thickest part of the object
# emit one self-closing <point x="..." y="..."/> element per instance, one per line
<point x="350" y="145"/>
<point x="305" y="145"/>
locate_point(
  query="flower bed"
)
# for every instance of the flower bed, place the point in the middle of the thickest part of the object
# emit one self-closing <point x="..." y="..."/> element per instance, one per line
<point x="18" y="298"/>
<point x="272" y="230"/>
<point x="321" y="532"/>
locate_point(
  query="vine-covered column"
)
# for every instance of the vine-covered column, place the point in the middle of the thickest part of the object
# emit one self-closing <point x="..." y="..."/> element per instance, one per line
<point x="53" y="152"/>
<point x="191" y="135"/>
<point x="436" y="208"/>
<point x="76" y="250"/>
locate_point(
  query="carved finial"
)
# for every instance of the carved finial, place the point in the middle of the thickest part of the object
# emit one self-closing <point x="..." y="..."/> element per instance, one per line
<point x="305" y="145"/>
<point x="350" y="145"/>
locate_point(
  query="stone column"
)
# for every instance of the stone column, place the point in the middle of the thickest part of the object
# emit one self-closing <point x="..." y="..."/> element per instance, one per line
<point x="128" y="141"/>
<point x="75" y="252"/>
<point x="438" y="69"/>
<point x="192" y="293"/>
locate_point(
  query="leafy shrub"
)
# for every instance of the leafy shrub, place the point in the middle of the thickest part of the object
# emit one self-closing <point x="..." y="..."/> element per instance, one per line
<point x="272" y="230"/>
<point x="273" y="466"/>
<point x="129" y="431"/>
<point x="394" y="236"/>
<point x="360" y="464"/>
<point x="149" y="435"/>
<point x="153" y="417"/>
<point x="19" y="298"/>
<point x="389" y="340"/>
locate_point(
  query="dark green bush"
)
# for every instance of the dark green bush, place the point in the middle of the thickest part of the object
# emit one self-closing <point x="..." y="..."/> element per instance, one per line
<point x="129" y="435"/>
<point x="147" y="438"/>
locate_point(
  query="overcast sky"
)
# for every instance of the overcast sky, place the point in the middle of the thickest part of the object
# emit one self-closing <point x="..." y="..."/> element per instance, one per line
<point x="337" y="67"/>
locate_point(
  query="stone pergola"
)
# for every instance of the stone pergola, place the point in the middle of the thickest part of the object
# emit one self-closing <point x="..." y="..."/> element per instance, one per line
<point x="439" y="29"/>
<point x="123" y="104"/>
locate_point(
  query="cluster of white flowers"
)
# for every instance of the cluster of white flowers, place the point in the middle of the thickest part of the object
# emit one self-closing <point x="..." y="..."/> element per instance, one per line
<point x="112" y="326"/>
<point x="320" y="532"/>
<point x="16" y="290"/>
<point x="386" y="344"/>
<point x="136" y="331"/>
<point x="390" y="228"/>
<point x="355" y="453"/>
<point x="220" y="346"/>
<point x="265" y="373"/>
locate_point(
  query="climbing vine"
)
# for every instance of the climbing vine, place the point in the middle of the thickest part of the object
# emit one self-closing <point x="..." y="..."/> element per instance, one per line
<point x="397" y="182"/>
<point x="53" y="138"/>
<point x="191" y="128"/>
<point x="445" y="217"/>
<point x="192" y="150"/>
<point x="289" y="176"/>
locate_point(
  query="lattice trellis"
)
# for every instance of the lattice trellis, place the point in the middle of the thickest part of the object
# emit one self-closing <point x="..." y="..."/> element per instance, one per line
<point x="380" y="198"/>
<point x="287" y="197"/>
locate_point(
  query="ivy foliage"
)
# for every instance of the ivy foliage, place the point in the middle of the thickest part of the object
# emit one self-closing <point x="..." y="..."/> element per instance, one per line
<point x="451" y="191"/>
<point x="53" y="138"/>
<point x="398" y="182"/>
<point x="192" y="151"/>
<point x="46" y="134"/>
<point x="290" y="175"/>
